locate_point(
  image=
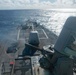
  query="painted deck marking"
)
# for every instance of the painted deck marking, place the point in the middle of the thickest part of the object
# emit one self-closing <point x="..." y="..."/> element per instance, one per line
<point x="18" y="34"/>
<point x="45" y="33"/>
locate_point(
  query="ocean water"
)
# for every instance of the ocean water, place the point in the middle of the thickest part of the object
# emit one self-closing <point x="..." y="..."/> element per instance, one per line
<point x="53" y="20"/>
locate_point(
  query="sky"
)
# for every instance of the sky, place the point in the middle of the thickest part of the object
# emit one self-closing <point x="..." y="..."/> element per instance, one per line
<point x="36" y="4"/>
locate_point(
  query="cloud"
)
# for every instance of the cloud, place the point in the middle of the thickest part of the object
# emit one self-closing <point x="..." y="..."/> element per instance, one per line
<point x="23" y="4"/>
<point x="65" y="2"/>
<point x="13" y="4"/>
<point x="33" y="4"/>
<point x="34" y="1"/>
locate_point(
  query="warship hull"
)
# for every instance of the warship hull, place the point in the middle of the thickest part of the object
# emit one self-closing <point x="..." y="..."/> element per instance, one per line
<point x="29" y="66"/>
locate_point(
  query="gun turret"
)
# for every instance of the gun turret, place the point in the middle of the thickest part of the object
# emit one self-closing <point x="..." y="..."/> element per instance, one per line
<point x="66" y="41"/>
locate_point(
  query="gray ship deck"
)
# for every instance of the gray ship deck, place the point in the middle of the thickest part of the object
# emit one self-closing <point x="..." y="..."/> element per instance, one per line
<point x="22" y="67"/>
<point x="46" y="38"/>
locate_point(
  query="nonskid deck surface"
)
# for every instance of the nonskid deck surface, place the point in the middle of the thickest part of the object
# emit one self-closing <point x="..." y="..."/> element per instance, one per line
<point x="22" y="67"/>
<point x="46" y="38"/>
